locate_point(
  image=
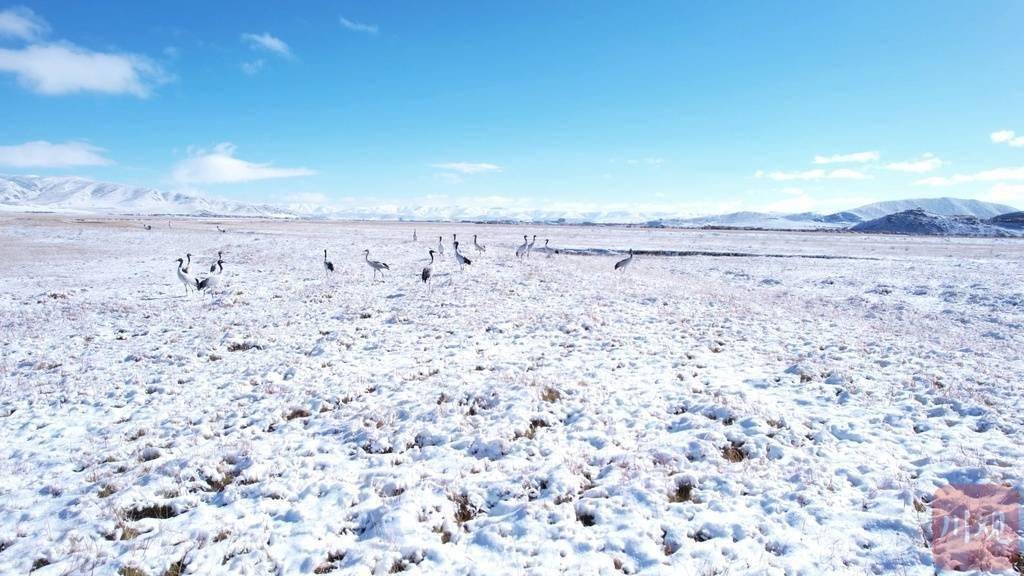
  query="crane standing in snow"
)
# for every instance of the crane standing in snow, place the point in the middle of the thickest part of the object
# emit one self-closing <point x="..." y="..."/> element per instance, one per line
<point x="462" y="260"/>
<point x="522" y="247"/>
<point x="625" y="262"/>
<point x="211" y="282"/>
<point x="213" y="267"/>
<point x="440" y="245"/>
<point x="428" y="272"/>
<point x="477" y="245"/>
<point x="530" y="247"/>
<point x="328" y="265"/>
<point x="376" y="265"/>
<point x="184" y="277"/>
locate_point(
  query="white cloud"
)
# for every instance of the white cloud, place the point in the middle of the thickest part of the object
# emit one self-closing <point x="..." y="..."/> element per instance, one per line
<point x="856" y="157"/>
<point x="22" y="23"/>
<point x="1007" y="137"/>
<point x="1007" y="193"/>
<point x="646" y="161"/>
<point x="220" y="165"/>
<point x="267" y="42"/>
<point x="253" y="67"/>
<point x="815" y="174"/>
<point x="468" y="167"/>
<point x="358" y="26"/>
<point x="926" y="163"/>
<point x="994" y="175"/>
<point x="63" y="68"/>
<point x="43" y="154"/>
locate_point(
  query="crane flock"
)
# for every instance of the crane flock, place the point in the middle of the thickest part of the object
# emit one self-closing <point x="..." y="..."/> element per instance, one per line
<point x="209" y="284"/>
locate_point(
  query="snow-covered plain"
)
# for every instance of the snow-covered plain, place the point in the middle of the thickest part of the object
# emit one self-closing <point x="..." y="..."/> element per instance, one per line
<point x="695" y="415"/>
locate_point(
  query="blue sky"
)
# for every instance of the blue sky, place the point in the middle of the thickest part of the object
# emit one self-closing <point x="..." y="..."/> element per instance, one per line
<point x="687" y="106"/>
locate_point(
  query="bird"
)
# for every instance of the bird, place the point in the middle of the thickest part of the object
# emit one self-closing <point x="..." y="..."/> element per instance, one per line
<point x="213" y="267"/>
<point x="221" y="230"/>
<point x="462" y="260"/>
<point x="455" y="240"/>
<point x="413" y="234"/>
<point x="477" y="245"/>
<point x="522" y="248"/>
<point x="530" y="247"/>
<point x="188" y="263"/>
<point x="625" y="262"/>
<point x="328" y="265"/>
<point x="377" y="266"/>
<point x="428" y="270"/>
<point x="184" y="277"/>
<point x="213" y="280"/>
<point x="547" y="248"/>
<point x="147" y="226"/>
<point x="440" y="245"/>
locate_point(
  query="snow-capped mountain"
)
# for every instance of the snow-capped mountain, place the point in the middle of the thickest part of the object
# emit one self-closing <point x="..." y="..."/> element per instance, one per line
<point x="940" y="206"/>
<point x="921" y="222"/>
<point x="80" y="195"/>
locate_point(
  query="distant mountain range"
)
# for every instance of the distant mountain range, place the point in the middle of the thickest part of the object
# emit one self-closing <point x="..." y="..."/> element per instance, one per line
<point x="923" y="223"/>
<point x="84" y="196"/>
<point x="79" y="195"/>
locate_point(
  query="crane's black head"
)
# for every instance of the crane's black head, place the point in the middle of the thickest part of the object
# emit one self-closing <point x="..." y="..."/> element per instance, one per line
<point x="179" y="261"/>
<point x="367" y="251"/>
<point x="432" y="252"/>
<point x="189" y="256"/>
<point x="453" y="236"/>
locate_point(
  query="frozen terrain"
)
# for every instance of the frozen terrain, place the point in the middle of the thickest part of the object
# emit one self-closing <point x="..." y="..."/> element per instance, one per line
<point x="695" y="415"/>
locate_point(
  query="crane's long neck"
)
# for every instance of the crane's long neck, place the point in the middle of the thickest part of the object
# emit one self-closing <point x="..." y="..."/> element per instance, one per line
<point x="431" y="258"/>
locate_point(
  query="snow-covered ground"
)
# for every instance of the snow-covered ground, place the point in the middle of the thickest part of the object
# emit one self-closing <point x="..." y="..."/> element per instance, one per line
<point x="695" y="415"/>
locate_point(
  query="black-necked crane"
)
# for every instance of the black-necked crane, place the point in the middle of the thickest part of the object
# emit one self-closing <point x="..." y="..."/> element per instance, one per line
<point x="413" y="234"/>
<point x="477" y="245"/>
<point x="529" y="248"/>
<point x="547" y="248"/>
<point x="625" y="262"/>
<point x="455" y="240"/>
<point x="213" y="267"/>
<point x="440" y="245"/>
<point x="462" y="260"/>
<point x="522" y="247"/>
<point x="376" y="265"/>
<point x="221" y="230"/>
<point x="184" y="277"/>
<point x="211" y="282"/>
<point x="328" y="265"/>
<point x="428" y="271"/>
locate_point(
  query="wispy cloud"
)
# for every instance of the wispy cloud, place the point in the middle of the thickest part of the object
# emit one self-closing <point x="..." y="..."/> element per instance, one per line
<point x="815" y="174"/>
<point x="645" y="161"/>
<point x="468" y="167"/>
<point x="358" y="26"/>
<point x="22" y="23"/>
<point x="926" y="163"/>
<point x="219" y="165"/>
<point x="1007" y="137"/>
<point x="43" y="154"/>
<point x="64" y="69"/>
<point x="854" y="158"/>
<point x="1002" y="192"/>
<point x="253" y="67"/>
<point x="994" y="175"/>
<point x="267" y="42"/>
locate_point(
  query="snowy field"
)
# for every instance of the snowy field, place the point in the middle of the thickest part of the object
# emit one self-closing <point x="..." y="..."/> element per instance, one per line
<point x="695" y="415"/>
